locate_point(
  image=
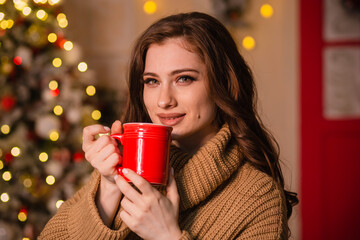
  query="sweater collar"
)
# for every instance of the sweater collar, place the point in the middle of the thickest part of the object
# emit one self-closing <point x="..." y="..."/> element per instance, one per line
<point x="197" y="176"/>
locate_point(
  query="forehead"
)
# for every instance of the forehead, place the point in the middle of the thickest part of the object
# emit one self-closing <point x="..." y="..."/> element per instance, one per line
<point x="172" y="51"/>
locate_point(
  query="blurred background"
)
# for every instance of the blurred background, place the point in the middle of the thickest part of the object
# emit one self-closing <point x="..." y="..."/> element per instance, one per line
<point x="64" y="66"/>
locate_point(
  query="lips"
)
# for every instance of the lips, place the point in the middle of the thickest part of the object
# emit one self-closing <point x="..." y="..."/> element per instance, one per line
<point x="171" y="119"/>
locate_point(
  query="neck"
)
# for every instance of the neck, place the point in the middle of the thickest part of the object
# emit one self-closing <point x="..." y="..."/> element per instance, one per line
<point x="191" y="144"/>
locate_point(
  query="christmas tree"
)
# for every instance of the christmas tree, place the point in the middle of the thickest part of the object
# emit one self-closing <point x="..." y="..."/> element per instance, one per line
<point x="47" y="96"/>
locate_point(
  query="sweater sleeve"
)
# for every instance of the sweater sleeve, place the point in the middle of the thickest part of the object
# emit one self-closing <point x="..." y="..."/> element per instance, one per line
<point x="78" y="218"/>
<point x="268" y="213"/>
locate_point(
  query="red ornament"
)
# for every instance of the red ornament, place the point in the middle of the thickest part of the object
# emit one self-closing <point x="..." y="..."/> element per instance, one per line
<point x="7" y="103"/>
<point x="78" y="157"/>
<point x="17" y="60"/>
<point x="8" y="158"/>
<point x="55" y="92"/>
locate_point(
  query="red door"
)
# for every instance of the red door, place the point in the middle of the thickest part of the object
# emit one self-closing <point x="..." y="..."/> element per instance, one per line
<point x="330" y="141"/>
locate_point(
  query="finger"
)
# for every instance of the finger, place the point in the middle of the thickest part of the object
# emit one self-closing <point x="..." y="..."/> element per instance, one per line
<point x="89" y="132"/>
<point x="143" y="185"/>
<point x="103" y="147"/>
<point x="116" y="127"/>
<point x="172" y="191"/>
<point x="128" y="190"/>
<point x="130" y="207"/>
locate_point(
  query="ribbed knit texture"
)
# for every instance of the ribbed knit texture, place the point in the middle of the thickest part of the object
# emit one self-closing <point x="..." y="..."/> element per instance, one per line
<point x="221" y="197"/>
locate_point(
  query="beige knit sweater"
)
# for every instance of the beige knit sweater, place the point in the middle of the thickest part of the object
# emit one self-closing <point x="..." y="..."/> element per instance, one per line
<point x="221" y="197"/>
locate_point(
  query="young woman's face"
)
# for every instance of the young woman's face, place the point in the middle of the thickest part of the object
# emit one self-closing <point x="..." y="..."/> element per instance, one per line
<point x="176" y="93"/>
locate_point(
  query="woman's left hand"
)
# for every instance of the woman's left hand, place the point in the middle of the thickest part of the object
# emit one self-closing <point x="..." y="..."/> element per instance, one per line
<point x="149" y="214"/>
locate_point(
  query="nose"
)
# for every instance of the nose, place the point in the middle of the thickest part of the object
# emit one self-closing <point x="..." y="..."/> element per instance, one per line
<point x="166" y="97"/>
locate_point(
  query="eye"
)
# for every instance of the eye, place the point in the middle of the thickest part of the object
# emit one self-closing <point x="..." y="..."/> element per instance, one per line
<point x="185" y="80"/>
<point x="150" y="81"/>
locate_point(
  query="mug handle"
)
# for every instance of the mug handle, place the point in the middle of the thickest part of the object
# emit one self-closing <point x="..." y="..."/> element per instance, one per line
<point x="119" y="136"/>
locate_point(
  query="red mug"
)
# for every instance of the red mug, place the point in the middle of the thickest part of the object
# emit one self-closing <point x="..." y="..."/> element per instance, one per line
<point x="146" y="150"/>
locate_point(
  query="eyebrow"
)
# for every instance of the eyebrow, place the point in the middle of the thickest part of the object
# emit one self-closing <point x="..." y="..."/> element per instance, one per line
<point x="173" y="72"/>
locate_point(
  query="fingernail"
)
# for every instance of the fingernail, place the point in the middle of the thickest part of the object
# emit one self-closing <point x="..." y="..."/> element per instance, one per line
<point x="125" y="171"/>
<point x="115" y="177"/>
<point x="106" y="128"/>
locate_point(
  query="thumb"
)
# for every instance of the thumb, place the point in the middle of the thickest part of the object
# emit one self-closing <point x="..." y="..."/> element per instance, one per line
<point x="172" y="191"/>
<point x="116" y="127"/>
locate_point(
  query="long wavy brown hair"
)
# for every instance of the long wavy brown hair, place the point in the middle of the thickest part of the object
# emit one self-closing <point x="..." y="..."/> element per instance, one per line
<point x="231" y="85"/>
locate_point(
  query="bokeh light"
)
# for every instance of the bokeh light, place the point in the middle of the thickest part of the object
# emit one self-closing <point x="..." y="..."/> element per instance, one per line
<point x="15" y="151"/>
<point x="53" y="84"/>
<point x="43" y="157"/>
<point x="57" y="62"/>
<point x="266" y="10"/>
<point x="7" y="176"/>
<point x="41" y="14"/>
<point x="50" y="180"/>
<point x="54" y="135"/>
<point x="96" y="114"/>
<point x="58" y="110"/>
<point x="4" y="197"/>
<point x="26" y="11"/>
<point x="248" y="43"/>
<point x="68" y="45"/>
<point x="150" y="7"/>
<point x="90" y="90"/>
<point x="58" y="203"/>
<point x="82" y="66"/>
<point x="27" y="182"/>
<point x="5" y="129"/>
<point x="52" y="37"/>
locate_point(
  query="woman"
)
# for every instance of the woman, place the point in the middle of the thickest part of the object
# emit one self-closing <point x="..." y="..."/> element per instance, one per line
<point x="226" y="181"/>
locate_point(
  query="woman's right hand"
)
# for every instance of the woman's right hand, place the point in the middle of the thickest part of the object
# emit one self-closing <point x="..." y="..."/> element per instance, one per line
<point x="102" y="153"/>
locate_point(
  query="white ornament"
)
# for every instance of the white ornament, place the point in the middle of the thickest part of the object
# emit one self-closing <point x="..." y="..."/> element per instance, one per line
<point x="45" y="124"/>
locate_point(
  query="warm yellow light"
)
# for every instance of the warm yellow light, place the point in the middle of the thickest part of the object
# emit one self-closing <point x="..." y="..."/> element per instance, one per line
<point x="2" y="1"/>
<point x="5" y="197"/>
<point x="15" y="151"/>
<point x="150" y="7"/>
<point x="96" y="114"/>
<point x="82" y="66"/>
<point x="52" y="37"/>
<point x="248" y="43"/>
<point x="54" y="135"/>
<point x="57" y="62"/>
<point x="27" y="182"/>
<point x="26" y="11"/>
<point x="50" y="180"/>
<point x="68" y="45"/>
<point x="266" y="10"/>
<point x="5" y="129"/>
<point x="40" y="1"/>
<point x="43" y="157"/>
<point x="53" y="85"/>
<point x="7" y="176"/>
<point x="25" y="238"/>
<point x="60" y="16"/>
<point x="2" y="15"/>
<point x="58" y="203"/>
<point x="53" y="2"/>
<point x="1" y="165"/>
<point x="41" y="14"/>
<point x="20" y="5"/>
<point x="4" y="24"/>
<point x="90" y="90"/>
<point x="22" y="217"/>
<point x="10" y="23"/>
<point x="58" y="110"/>
<point x="63" y="23"/>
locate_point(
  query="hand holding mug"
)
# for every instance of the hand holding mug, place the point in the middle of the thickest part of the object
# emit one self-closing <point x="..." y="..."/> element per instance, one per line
<point x="102" y="153"/>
